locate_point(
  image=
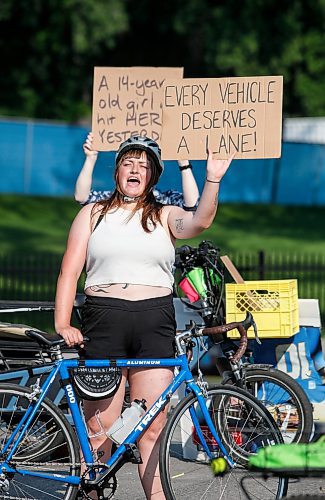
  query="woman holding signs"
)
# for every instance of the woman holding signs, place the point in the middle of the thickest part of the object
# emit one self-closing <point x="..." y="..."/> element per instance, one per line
<point x="127" y="243"/>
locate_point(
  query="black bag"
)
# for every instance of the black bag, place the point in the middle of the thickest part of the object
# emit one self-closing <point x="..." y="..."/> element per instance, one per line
<point x="93" y="383"/>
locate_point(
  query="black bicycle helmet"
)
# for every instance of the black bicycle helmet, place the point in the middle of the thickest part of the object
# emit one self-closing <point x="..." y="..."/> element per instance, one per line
<point x="146" y="144"/>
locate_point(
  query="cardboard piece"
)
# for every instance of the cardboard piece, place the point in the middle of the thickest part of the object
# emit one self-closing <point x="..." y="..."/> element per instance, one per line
<point x="128" y="101"/>
<point x="226" y="115"/>
<point x="233" y="271"/>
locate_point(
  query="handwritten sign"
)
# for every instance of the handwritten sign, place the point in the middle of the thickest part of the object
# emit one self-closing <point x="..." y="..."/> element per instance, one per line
<point x="128" y="101"/>
<point x="227" y="115"/>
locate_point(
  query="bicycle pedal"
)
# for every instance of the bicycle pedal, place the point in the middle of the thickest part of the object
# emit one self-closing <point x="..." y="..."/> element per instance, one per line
<point x="132" y="454"/>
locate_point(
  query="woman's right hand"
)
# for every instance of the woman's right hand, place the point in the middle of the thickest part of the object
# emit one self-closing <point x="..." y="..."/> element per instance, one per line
<point x="88" y="146"/>
<point x="71" y="335"/>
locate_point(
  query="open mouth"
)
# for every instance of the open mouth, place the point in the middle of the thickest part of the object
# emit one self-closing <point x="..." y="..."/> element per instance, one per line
<point x="133" y="180"/>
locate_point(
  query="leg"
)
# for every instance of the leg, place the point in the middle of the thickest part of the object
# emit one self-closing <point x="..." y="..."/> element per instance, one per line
<point x="149" y="384"/>
<point x="109" y="409"/>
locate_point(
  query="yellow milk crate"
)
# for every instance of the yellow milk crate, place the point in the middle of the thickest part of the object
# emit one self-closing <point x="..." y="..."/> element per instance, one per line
<point x="274" y="305"/>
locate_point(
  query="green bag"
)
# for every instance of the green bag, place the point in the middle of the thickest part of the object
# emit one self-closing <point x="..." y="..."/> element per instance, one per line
<point x="197" y="280"/>
<point x="292" y="459"/>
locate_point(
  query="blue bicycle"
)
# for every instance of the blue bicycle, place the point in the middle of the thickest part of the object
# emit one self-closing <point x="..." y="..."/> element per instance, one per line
<point x="219" y="426"/>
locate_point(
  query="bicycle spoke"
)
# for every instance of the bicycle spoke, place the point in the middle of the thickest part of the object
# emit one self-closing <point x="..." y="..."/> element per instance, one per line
<point x="49" y="446"/>
<point x="286" y="401"/>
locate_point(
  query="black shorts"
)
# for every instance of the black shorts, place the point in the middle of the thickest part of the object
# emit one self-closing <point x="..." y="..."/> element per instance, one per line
<point x="120" y="328"/>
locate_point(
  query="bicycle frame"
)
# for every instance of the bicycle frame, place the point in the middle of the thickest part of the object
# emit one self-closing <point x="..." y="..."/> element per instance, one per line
<point x="61" y="369"/>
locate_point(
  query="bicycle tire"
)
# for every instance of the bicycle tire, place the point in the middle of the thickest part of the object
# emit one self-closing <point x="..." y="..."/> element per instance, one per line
<point x="184" y="465"/>
<point x="293" y="412"/>
<point x="49" y="445"/>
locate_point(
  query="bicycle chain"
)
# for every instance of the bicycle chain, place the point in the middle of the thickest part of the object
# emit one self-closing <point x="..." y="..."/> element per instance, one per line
<point x="56" y="464"/>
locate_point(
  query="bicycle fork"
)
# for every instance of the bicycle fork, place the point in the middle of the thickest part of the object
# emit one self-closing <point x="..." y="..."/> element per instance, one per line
<point x="211" y="427"/>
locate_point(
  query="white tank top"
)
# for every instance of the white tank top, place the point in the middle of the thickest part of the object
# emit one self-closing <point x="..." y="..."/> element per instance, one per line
<point x="120" y="251"/>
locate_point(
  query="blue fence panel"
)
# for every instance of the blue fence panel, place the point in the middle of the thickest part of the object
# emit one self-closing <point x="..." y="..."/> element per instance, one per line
<point x="249" y="181"/>
<point x="42" y="158"/>
<point x="301" y="175"/>
<point x="56" y="159"/>
<point x="12" y="158"/>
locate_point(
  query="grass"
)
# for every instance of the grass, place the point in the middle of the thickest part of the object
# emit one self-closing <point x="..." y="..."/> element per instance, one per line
<point x="273" y="228"/>
<point x="34" y="225"/>
<point x="40" y="224"/>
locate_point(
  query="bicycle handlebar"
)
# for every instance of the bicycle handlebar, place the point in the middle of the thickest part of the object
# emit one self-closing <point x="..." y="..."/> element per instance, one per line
<point x="186" y="253"/>
<point x="241" y="326"/>
<point x="203" y="248"/>
<point x="217" y="330"/>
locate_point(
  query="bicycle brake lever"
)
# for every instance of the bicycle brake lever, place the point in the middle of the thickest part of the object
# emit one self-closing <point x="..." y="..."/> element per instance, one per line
<point x="256" y="333"/>
<point x="248" y="322"/>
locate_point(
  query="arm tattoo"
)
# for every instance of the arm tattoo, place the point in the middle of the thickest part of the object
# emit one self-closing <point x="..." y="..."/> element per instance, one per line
<point x="216" y="200"/>
<point x="179" y="223"/>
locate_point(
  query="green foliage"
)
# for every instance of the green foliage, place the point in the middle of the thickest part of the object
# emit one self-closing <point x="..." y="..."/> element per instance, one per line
<point x="49" y="48"/>
<point x="48" y="52"/>
<point x="262" y="37"/>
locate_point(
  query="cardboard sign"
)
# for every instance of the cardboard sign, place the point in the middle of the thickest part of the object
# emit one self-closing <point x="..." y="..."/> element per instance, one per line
<point x="128" y="101"/>
<point x="227" y="115"/>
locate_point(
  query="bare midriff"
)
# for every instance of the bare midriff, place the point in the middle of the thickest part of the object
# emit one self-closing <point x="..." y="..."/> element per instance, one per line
<point x="128" y="291"/>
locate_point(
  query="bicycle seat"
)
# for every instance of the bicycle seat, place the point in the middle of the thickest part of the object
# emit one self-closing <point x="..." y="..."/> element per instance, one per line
<point x="45" y="339"/>
<point x="13" y="331"/>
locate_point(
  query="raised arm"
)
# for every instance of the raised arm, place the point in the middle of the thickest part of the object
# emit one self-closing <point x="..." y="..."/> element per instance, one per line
<point x="84" y="181"/>
<point x="184" y="224"/>
<point x="71" y="268"/>
<point x="189" y="186"/>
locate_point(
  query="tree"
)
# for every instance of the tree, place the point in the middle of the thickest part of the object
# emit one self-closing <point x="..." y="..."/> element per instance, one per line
<point x="48" y="51"/>
<point x="261" y="37"/>
<point x="49" y="47"/>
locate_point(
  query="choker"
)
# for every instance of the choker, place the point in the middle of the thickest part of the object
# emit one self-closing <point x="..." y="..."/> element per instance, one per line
<point x="130" y="199"/>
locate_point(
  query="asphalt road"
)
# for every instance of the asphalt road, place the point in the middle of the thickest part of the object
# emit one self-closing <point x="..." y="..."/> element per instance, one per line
<point x="129" y="487"/>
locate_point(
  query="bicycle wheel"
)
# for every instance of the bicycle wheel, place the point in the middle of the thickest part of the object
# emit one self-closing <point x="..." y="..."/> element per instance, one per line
<point x="246" y="426"/>
<point x="286" y="401"/>
<point x="49" y="446"/>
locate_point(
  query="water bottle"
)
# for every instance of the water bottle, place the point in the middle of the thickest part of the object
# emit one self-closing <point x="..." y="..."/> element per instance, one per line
<point x="126" y="422"/>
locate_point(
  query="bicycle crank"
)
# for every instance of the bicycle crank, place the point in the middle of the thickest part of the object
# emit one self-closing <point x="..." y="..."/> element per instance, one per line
<point x="105" y="490"/>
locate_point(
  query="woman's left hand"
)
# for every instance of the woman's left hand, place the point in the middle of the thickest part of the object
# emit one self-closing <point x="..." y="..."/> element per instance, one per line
<point x="217" y="168"/>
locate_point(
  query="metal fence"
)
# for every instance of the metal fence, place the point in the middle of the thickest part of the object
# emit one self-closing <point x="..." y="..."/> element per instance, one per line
<point x="308" y="269"/>
<point x="33" y="277"/>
